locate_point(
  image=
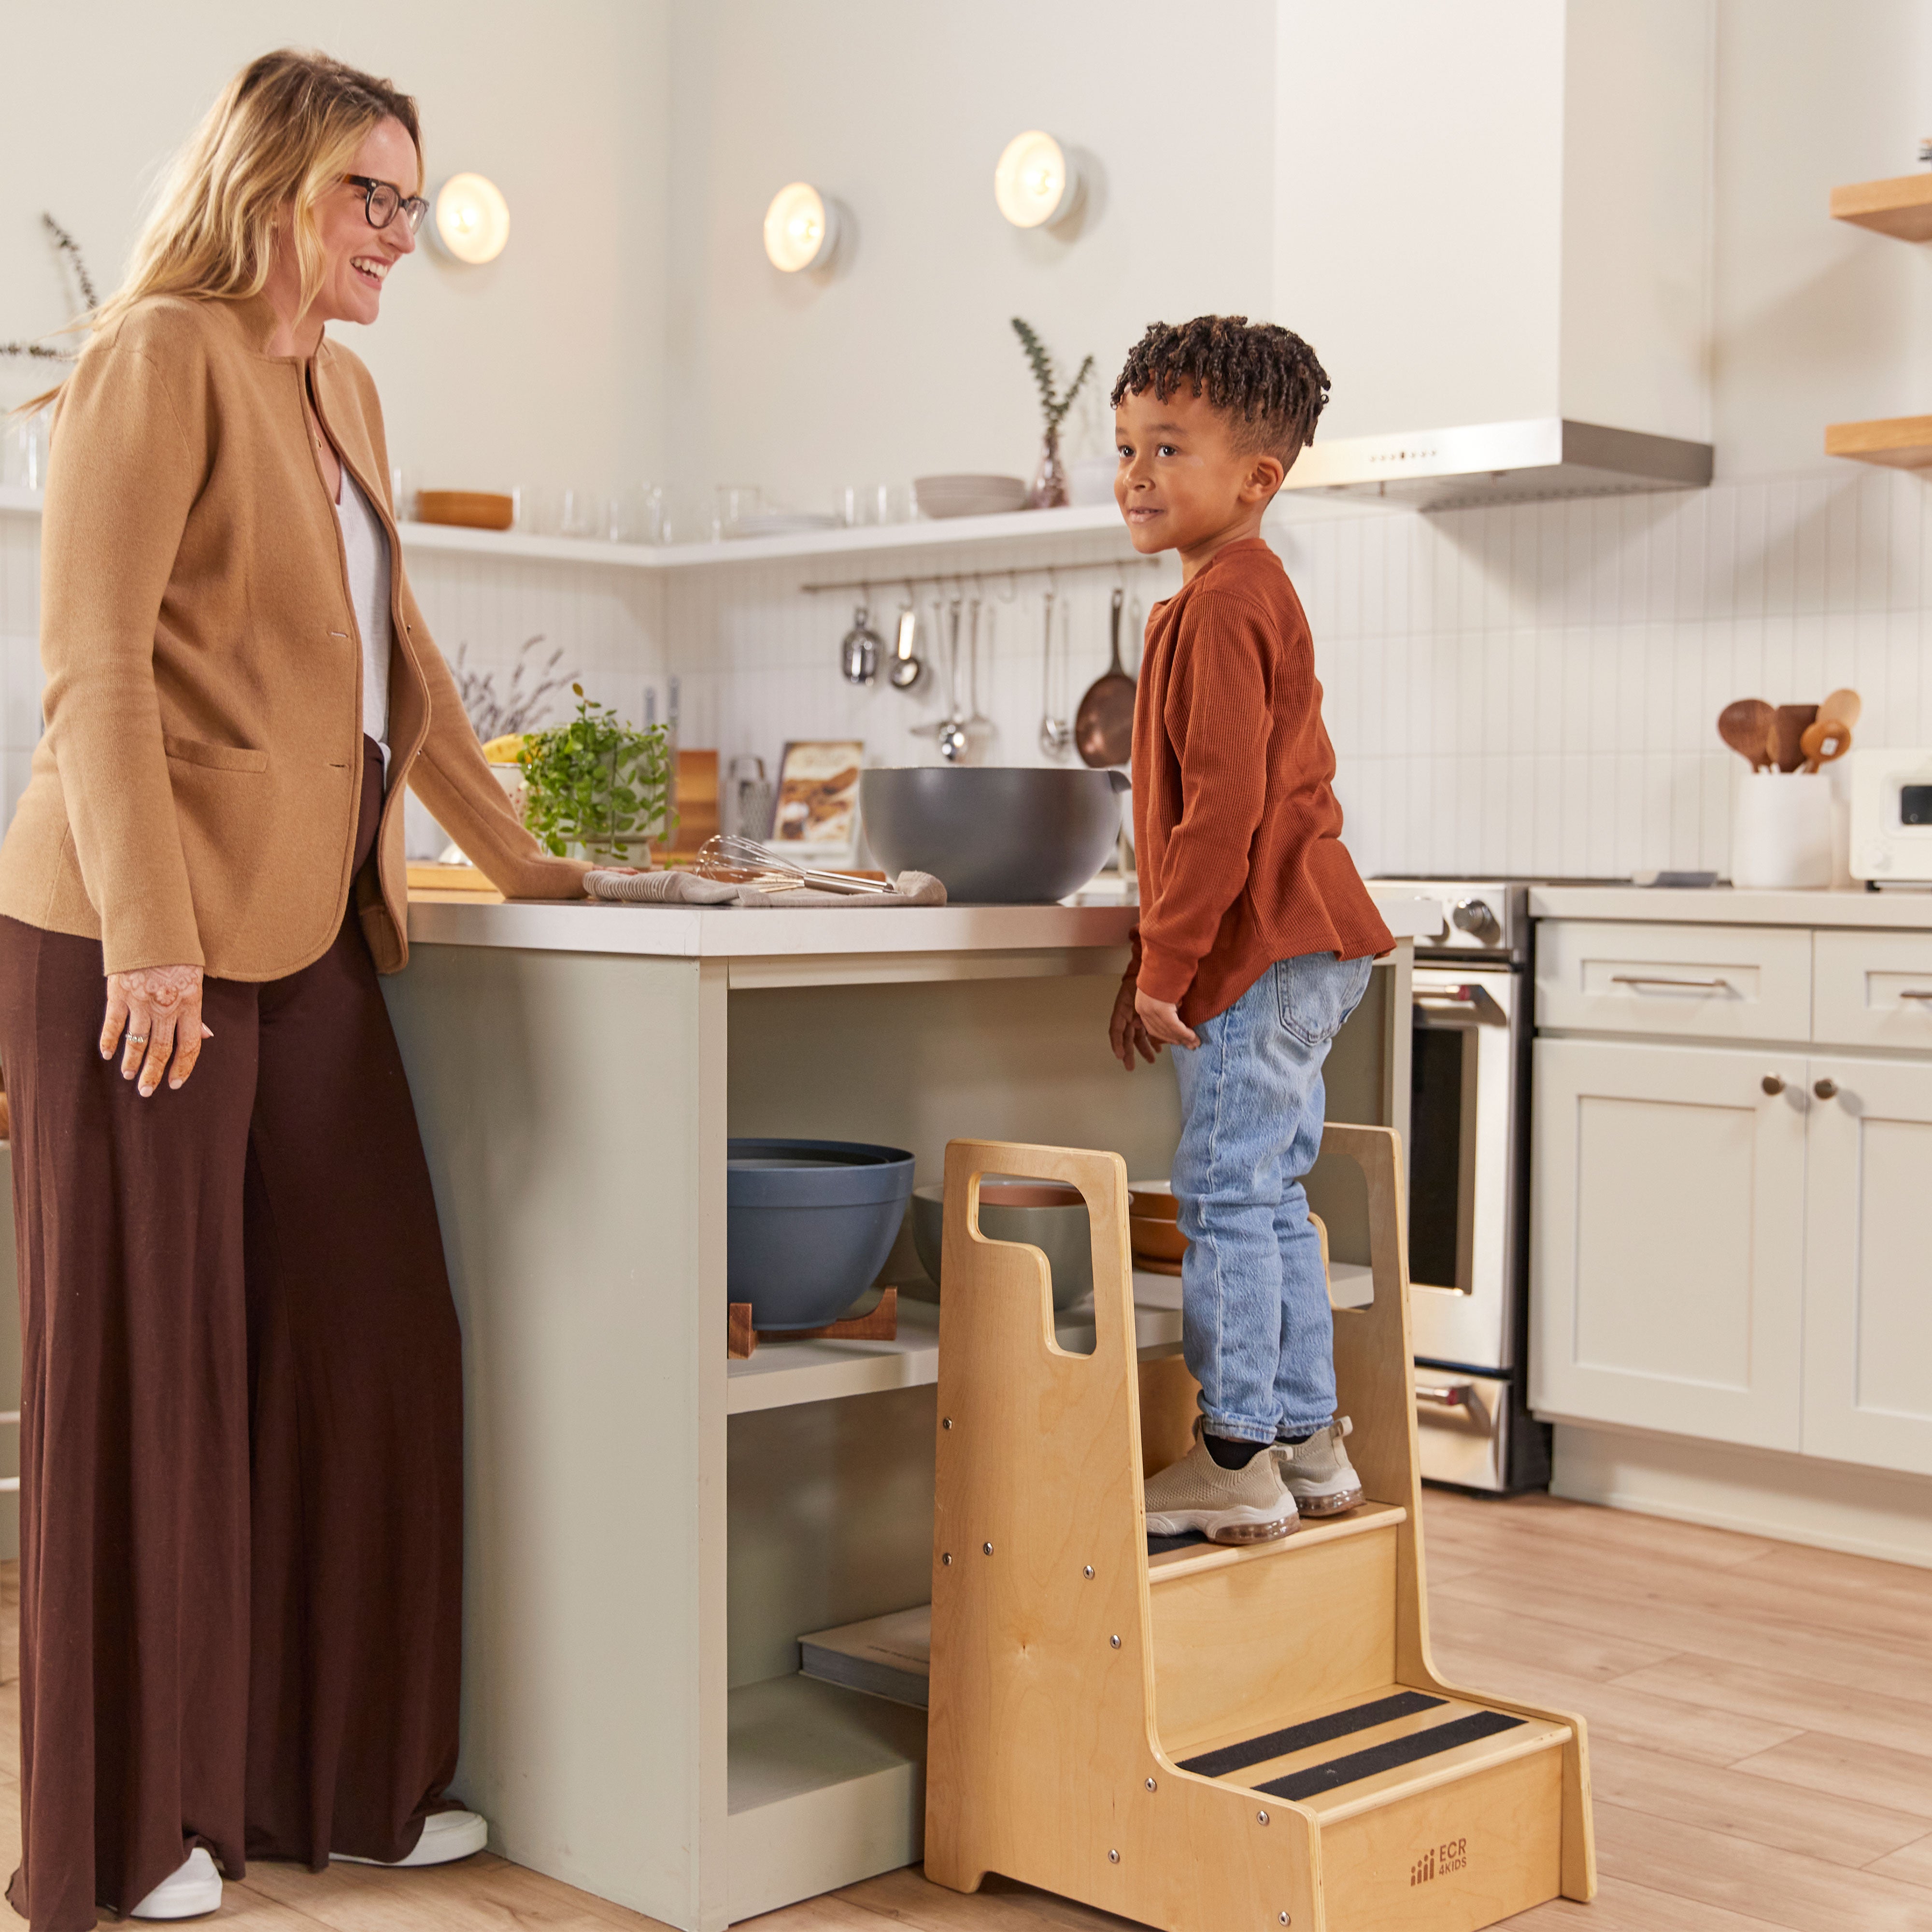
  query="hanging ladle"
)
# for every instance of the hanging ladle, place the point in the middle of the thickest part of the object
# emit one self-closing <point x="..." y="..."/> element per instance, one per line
<point x="1055" y="733"/>
<point x="907" y="669"/>
<point x="859" y="651"/>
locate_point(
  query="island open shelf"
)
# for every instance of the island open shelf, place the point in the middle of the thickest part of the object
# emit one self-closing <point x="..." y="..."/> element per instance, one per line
<point x="650" y="1527"/>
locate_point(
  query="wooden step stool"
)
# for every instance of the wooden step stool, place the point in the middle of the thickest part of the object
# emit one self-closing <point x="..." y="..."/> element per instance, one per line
<point x="1209" y="1739"/>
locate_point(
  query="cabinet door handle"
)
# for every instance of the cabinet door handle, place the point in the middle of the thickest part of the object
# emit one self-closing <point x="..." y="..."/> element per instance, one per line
<point x="1449" y="1395"/>
<point x="1826" y="1090"/>
<point x="1916" y="993"/>
<point x="1773" y="1083"/>
<point x="1656" y="979"/>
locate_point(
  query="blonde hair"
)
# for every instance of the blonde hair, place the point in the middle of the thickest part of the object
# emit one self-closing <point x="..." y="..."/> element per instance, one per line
<point x="285" y="131"/>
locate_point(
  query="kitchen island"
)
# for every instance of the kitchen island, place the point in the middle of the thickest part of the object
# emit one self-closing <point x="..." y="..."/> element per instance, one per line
<point x="650" y="1527"/>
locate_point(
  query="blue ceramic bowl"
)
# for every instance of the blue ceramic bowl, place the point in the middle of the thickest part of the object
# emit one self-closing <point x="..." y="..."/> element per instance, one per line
<point x="809" y="1224"/>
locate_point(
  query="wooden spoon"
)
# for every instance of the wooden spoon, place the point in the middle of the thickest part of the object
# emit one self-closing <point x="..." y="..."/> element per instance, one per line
<point x="1787" y="732"/>
<point x="1745" y="726"/>
<point x="1844" y="705"/>
<point x="1829" y="738"/>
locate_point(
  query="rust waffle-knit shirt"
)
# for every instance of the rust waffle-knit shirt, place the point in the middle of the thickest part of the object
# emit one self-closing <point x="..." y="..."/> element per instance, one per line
<point x="1236" y="828"/>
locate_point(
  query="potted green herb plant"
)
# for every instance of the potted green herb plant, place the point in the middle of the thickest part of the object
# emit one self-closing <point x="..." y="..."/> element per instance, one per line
<point x="598" y="785"/>
<point x="1049" y="483"/>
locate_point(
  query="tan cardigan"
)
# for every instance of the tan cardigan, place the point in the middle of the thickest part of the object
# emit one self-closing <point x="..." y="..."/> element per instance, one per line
<point x="193" y="800"/>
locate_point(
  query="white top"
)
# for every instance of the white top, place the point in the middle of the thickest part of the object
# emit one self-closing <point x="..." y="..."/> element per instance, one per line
<point x="366" y="545"/>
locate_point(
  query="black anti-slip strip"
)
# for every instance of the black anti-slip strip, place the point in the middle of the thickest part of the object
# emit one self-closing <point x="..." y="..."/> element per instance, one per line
<point x="1389" y="1757"/>
<point x="1316" y="1731"/>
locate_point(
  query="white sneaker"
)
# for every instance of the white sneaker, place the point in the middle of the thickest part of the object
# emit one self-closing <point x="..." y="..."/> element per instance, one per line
<point x="446" y="1836"/>
<point x="195" y="1889"/>
<point x="1318" y="1473"/>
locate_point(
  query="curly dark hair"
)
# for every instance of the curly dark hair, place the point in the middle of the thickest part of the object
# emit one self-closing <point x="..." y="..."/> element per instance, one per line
<point x="1265" y="377"/>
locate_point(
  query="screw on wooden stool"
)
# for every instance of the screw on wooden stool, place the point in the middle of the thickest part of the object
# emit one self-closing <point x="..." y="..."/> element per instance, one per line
<point x="1115" y="1642"/>
<point x="947" y="1558"/>
<point x="1260" y="1817"/>
<point x="1150" y="1784"/>
<point x="1088" y="1573"/>
<point x="946" y="1422"/>
<point x="987" y="1547"/>
<point x="1113" y="1858"/>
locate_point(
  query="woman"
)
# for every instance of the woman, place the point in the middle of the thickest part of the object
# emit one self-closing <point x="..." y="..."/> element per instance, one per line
<point x="241" y="1425"/>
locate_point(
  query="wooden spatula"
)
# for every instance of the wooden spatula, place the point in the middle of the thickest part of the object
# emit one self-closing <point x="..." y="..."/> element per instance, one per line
<point x="1845" y="706"/>
<point x="1828" y="738"/>
<point x="1746" y="726"/>
<point x="1786" y="734"/>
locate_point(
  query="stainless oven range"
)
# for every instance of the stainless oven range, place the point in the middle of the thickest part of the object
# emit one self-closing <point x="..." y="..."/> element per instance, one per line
<point x="1468" y="1196"/>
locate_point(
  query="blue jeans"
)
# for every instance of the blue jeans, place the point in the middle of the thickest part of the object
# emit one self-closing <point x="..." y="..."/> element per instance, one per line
<point x="1255" y="1325"/>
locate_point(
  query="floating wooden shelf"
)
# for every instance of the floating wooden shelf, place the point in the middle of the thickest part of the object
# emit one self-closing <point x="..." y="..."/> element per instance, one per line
<point x="1902" y="207"/>
<point x="1899" y="442"/>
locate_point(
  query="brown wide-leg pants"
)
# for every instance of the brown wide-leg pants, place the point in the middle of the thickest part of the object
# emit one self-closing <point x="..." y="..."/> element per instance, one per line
<point x="241" y="1494"/>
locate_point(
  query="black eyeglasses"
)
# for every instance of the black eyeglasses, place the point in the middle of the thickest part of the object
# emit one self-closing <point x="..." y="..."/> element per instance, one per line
<point x="382" y="202"/>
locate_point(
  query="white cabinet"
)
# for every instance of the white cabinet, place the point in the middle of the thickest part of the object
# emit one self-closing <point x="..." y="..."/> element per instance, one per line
<point x="1868" y="1263"/>
<point x="1734" y="1242"/>
<point x="1667" y="1238"/>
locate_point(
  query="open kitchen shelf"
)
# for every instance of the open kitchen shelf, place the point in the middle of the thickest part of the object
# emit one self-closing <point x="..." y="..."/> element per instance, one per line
<point x="963" y="533"/>
<point x="1901" y="207"/>
<point x="1899" y="442"/>
<point x="780" y="1373"/>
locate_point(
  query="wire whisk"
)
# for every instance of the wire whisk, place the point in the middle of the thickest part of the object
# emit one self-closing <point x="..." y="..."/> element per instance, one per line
<point x="746" y="862"/>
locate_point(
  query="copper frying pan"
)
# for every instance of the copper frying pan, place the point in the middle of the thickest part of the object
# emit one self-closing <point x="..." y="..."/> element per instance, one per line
<point x="1103" y="726"/>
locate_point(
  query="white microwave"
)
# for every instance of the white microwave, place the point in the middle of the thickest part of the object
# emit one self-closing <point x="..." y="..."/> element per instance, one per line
<point x="1891" y="816"/>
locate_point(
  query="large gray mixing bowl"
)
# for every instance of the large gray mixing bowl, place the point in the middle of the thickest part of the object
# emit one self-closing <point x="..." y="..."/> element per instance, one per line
<point x="994" y="834"/>
<point x="808" y="1224"/>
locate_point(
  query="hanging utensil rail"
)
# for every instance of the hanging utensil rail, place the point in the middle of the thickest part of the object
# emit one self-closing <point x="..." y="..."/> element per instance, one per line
<point x="956" y="577"/>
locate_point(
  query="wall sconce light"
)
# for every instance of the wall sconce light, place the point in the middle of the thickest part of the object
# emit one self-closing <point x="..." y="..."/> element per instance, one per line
<point x="1035" y="183"/>
<point x="472" y="219"/>
<point x="801" y="229"/>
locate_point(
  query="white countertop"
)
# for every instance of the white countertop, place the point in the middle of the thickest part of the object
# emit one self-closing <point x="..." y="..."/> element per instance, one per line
<point x="1725" y="905"/>
<point x="694" y="932"/>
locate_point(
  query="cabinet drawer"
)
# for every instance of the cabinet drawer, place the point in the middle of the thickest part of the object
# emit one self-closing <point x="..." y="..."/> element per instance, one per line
<point x="1705" y="982"/>
<point x="1863" y="987"/>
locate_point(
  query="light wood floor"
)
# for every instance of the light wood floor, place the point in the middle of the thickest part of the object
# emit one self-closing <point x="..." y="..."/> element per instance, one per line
<point x="1760" y="1731"/>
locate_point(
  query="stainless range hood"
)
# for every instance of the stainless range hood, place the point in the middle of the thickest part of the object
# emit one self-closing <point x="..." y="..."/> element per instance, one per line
<point x="1501" y="463"/>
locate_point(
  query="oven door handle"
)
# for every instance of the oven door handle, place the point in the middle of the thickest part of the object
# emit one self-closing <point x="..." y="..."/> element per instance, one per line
<point x="1447" y="1395"/>
<point x="1468" y="1006"/>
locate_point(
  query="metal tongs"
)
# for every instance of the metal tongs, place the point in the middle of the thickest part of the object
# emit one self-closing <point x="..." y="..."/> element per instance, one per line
<point x="745" y="862"/>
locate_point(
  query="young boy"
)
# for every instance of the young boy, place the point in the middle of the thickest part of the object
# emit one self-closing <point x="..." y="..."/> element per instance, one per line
<point x="1256" y="935"/>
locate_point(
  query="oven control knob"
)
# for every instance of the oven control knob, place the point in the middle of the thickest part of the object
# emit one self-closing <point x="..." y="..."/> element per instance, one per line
<point x="1474" y="917"/>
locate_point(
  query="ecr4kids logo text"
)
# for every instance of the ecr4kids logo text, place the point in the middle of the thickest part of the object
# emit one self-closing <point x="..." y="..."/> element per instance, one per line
<point x="1438" y="1860"/>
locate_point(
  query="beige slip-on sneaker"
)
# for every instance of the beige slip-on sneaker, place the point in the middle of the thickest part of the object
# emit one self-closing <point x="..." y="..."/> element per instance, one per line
<point x="1250" y="1505"/>
<point x="1317" y="1472"/>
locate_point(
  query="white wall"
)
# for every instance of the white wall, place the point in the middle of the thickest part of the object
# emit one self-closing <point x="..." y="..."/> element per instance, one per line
<point x="549" y="362"/>
<point x="902" y="361"/>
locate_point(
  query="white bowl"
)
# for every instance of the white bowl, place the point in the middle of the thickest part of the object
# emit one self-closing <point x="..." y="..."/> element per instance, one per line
<point x="969" y="496"/>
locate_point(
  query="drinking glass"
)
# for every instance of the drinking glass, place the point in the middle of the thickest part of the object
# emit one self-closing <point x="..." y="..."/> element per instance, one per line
<point x="736" y="502"/>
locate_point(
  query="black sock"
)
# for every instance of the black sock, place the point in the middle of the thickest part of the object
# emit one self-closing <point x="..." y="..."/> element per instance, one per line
<point x="1296" y="1441"/>
<point x="1229" y="1454"/>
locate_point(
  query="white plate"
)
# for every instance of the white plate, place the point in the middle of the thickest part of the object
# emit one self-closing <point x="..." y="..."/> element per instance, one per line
<point x="783" y="524"/>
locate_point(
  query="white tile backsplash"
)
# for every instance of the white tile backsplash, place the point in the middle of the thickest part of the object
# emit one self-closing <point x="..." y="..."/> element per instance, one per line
<point x="1526" y="688"/>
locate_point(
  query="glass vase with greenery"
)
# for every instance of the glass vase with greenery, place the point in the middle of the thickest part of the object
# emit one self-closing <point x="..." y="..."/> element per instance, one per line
<point x="599" y="784"/>
<point x="1049" y="490"/>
